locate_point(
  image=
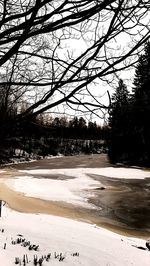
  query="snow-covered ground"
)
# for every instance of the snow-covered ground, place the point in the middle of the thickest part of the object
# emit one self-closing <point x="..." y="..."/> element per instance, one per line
<point x="80" y="243"/>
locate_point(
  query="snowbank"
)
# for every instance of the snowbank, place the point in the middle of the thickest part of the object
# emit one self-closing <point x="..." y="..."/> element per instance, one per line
<point x="79" y="243"/>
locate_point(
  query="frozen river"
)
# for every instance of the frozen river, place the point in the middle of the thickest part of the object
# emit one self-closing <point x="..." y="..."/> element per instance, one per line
<point x="85" y="188"/>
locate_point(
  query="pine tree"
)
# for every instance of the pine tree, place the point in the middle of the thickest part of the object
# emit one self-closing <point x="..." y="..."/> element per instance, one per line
<point x="129" y="121"/>
<point x="120" y="97"/>
<point x="142" y="73"/>
<point x="118" y="123"/>
<point x="141" y="107"/>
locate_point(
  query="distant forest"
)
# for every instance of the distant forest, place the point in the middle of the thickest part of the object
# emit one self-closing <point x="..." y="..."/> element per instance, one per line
<point x="44" y="135"/>
<point x="129" y="120"/>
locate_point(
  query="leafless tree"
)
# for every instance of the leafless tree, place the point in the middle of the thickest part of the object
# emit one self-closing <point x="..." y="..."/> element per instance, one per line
<point x="59" y="51"/>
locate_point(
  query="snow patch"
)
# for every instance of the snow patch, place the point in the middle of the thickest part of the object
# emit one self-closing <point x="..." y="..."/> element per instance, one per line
<point x="112" y="172"/>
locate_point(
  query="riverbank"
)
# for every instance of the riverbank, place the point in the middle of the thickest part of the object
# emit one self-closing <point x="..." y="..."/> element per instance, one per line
<point x="26" y="237"/>
<point x="58" y="162"/>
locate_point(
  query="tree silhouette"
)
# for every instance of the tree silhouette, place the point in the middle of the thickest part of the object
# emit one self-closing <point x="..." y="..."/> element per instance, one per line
<point x="56" y="51"/>
<point x="142" y="73"/>
<point x="118" y="123"/>
<point x="141" y="107"/>
<point x="130" y="117"/>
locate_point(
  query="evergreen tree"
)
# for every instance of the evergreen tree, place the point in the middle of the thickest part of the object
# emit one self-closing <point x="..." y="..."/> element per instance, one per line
<point x="142" y="73"/>
<point x="141" y="108"/>
<point x="130" y="117"/>
<point x="118" y="123"/>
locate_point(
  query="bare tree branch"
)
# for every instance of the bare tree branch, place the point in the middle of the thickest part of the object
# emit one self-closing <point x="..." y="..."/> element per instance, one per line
<point x="54" y="51"/>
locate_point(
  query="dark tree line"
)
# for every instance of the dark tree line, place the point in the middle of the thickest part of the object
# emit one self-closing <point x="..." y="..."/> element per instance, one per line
<point x="61" y="127"/>
<point x="75" y="128"/>
<point x="45" y="135"/>
<point x="129" y="121"/>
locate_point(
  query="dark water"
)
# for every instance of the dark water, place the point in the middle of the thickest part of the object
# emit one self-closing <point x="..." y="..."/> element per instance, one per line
<point x="126" y="201"/>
